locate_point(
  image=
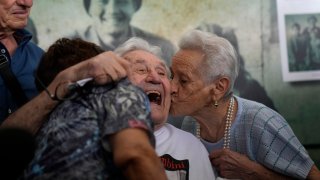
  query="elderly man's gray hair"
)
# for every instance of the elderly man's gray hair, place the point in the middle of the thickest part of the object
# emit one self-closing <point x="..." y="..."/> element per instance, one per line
<point x="136" y="43"/>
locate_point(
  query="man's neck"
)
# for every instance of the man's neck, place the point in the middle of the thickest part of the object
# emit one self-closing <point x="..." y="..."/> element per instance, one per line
<point x="158" y="126"/>
<point x="5" y="33"/>
<point x="8" y="40"/>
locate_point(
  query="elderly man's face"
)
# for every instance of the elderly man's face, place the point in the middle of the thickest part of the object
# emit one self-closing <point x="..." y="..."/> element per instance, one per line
<point x="150" y="73"/>
<point x="112" y="16"/>
<point x="189" y="91"/>
<point x="14" y="14"/>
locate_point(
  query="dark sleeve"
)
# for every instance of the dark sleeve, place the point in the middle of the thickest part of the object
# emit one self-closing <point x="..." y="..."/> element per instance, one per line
<point x="126" y="106"/>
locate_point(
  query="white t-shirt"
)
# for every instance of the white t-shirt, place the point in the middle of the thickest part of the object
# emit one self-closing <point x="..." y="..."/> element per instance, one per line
<point x="183" y="155"/>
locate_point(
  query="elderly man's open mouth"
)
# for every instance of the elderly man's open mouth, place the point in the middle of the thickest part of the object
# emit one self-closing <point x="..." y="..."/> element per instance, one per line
<point x="154" y="97"/>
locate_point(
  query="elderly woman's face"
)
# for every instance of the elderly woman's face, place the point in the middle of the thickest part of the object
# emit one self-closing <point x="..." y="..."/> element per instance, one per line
<point x="189" y="92"/>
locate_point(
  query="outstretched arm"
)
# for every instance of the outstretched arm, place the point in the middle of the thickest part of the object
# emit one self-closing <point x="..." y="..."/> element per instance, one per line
<point x="31" y="115"/>
<point x="134" y="154"/>
<point x="104" y="68"/>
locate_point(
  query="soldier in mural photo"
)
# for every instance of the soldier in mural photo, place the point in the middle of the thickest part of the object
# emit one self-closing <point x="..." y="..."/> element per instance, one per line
<point x="111" y="25"/>
<point x="312" y="33"/>
<point x="297" y="49"/>
<point x="314" y="50"/>
<point x="312" y="26"/>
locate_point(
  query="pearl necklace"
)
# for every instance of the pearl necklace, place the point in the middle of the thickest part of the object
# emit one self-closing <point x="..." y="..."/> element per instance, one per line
<point x="227" y="132"/>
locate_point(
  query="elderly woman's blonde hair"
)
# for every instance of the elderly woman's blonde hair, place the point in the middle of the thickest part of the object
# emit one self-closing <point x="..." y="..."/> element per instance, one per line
<point x="220" y="57"/>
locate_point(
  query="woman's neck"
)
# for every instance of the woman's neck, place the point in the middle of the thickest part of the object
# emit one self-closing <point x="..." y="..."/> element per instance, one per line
<point x="212" y="121"/>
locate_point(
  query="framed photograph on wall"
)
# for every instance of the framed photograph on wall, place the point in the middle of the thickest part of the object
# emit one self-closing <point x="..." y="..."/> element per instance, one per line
<point x="299" y="35"/>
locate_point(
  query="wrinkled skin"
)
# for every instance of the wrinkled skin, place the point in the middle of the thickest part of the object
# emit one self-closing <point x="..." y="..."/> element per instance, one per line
<point x="151" y="74"/>
<point x="14" y="15"/>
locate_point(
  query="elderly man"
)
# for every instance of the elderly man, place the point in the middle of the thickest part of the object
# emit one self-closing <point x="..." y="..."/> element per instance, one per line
<point x="18" y="56"/>
<point x="183" y="155"/>
<point x="111" y="25"/>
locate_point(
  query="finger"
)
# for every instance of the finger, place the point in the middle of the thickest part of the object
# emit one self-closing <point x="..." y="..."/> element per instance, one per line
<point x="120" y="69"/>
<point x="61" y="90"/>
<point x="125" y="63"/>
<point x="215" y="161"/>
<point x="229" y="174"/>
<point x="107" y="67"/>
<point x="111" y="71"/>
<point x="108" y="75"/>
<point x="212" y="158"/>
<point x="115" y="66"/>
<point x="215" y="154"/>
<point x="103" y="79"/>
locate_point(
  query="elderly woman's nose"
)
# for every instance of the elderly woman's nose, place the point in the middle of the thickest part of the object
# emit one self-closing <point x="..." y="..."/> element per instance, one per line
<point x="173" y="87"/>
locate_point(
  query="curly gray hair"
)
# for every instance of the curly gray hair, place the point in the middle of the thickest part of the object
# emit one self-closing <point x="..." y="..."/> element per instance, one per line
<point x="136" y="43"/>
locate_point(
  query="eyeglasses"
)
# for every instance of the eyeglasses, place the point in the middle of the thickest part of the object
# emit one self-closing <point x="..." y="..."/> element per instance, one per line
<point x="60" y="94"/>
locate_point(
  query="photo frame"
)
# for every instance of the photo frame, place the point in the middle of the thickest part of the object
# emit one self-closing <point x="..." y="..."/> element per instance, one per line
<point x="299" y="35"/>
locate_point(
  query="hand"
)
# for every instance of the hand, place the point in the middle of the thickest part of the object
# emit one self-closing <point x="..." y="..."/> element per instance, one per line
<point x="103" y="68"/>
<point x="231" y="164"/>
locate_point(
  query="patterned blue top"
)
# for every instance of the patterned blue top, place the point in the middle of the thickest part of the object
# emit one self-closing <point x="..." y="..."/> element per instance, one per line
<point x="265" y="137"/>
<point x="73" y="143"/>
<point x="23" y="63"/>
